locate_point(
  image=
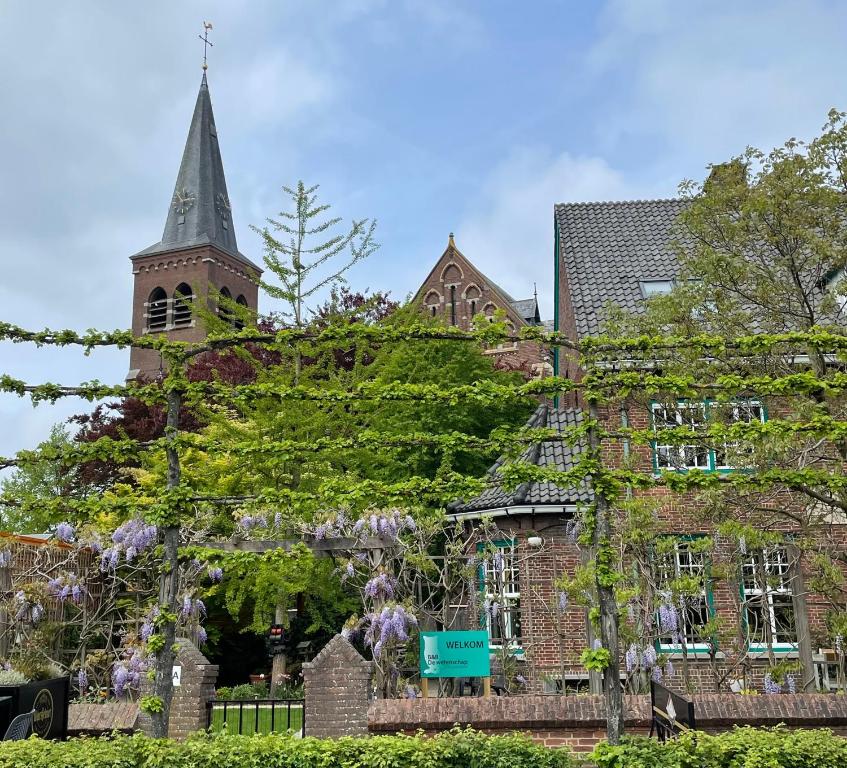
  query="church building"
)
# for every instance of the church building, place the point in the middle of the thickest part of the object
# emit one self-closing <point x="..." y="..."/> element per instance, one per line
<point x="456" y="291"/>
<point x="197" y="258"/>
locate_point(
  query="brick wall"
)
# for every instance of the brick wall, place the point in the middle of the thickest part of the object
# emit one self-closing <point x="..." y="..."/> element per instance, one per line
<point x="579" y="721"/>
<point x="337" y="688"/>
<point x="196" y="689"/>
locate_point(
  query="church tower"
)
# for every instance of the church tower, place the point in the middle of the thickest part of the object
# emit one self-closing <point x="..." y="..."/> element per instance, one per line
<point x="197" y="254"/>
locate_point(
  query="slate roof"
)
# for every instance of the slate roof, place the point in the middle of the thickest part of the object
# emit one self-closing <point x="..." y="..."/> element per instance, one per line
<point x="528" y="310"/>
<point x="207" y="219"/>
<point x="608" y="248"/>
<point x="554" y="454"/>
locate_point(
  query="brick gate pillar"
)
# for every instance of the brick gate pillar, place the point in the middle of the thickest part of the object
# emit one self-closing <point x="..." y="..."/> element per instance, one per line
<point x="196" y="689"/>
<point x="337" y="684"/>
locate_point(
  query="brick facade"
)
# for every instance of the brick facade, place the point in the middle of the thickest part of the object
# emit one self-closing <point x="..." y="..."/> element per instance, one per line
<point x="456" y="291"/>
<point x="337" y="686"/>
<point x="202" y="268"/>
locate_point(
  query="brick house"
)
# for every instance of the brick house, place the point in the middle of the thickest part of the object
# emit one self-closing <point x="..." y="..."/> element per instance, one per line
<point x="197" y="257"/>
<point x="619" y="254"/>
<point x="456" y="291"/>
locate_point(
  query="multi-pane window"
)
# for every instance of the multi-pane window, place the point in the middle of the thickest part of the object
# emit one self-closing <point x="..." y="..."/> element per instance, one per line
<point x="683" y="571"/>
<point x="746" y="412"/>
<point x="768" y="597"/>
<point x="694" y="416"/>
<point x="502" y="596"/>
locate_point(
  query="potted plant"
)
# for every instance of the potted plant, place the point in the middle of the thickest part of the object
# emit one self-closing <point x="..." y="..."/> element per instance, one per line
<point x="43" y="689"/>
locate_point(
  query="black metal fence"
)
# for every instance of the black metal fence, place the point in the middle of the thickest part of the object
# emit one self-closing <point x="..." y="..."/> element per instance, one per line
<point x="247" y="716"/>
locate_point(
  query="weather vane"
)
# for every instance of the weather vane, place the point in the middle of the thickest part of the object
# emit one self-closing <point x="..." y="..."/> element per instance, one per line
<point x="207" y="25"/>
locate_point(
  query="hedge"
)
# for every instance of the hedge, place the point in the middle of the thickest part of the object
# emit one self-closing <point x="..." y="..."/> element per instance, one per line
<point x="454" y="749"/>
<point x="740" y="748"/>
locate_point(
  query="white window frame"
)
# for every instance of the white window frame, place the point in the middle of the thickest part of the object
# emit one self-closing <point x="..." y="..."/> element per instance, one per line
<point x="683" y="546"/>
<point x="777" y="565"/>
<point x="504" y="590"/>
<point x="685" y="457"/>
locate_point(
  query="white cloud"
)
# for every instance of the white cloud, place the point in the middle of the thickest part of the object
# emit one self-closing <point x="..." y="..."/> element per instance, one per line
<point x="712" y="77"/>
<point x="508" y="231"/>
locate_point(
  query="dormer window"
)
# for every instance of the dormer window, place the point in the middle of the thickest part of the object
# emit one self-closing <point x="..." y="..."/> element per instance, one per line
<point x="651" y="288"/>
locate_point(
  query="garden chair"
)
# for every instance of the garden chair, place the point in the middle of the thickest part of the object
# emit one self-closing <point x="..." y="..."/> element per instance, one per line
<point x="19" y="727"/>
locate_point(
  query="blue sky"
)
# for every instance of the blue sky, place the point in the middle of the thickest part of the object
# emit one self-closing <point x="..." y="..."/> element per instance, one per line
<point x="431" y="116"/>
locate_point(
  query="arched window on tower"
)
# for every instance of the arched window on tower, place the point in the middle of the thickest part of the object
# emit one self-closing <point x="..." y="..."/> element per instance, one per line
<point x="224" y="312"/>
<point x="183" y="297"/>
<point x="242" y="302"/>
<point x="157" y="310"/>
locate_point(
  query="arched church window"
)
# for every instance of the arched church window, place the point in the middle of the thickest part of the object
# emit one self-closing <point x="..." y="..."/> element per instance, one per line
<point x="242" y="302"/>
<point x="157" y="310"/>
<point x="224" y="312"/>
<point x="183" y="296"/>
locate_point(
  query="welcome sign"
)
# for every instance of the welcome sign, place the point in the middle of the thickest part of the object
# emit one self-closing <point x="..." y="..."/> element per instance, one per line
<point x="455" y="654"/>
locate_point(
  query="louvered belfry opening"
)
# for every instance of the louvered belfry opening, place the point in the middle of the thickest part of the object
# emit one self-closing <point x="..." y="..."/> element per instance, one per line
<point x="157" y="310"/>
<point x="183" y="298"/>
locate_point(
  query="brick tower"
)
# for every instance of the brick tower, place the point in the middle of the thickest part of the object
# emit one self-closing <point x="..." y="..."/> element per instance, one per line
<point x="197" y="255"/>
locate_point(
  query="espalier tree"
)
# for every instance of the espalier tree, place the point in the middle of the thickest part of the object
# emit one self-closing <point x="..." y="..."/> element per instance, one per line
<point x="178" y="508"/>
<point x="800" y="363"/>
<point x="762" y="247"/>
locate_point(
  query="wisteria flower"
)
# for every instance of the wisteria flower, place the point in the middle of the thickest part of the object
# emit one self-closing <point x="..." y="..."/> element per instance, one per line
<point x="65" y="532"/>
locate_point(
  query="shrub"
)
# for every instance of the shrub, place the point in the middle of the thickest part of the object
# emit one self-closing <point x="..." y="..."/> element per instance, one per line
<point x="12" y="677"/>
<point x="739" y="748"/>
<point x="455" y="749"/>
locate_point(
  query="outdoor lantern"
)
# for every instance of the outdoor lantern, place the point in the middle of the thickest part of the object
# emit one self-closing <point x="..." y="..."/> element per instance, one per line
<point x="277" y="638"/>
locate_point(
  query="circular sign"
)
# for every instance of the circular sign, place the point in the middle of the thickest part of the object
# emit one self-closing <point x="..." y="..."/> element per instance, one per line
<point x="42" y="719"/>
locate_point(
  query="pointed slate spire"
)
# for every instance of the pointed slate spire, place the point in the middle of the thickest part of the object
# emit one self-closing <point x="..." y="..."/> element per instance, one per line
<point x="199" y="211"/>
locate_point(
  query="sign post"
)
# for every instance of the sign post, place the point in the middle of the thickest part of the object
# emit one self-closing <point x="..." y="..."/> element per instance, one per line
<point x="455" y="654"/>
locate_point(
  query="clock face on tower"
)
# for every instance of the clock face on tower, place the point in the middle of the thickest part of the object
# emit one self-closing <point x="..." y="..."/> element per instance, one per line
<point x="222" y="204"/>
<point x="183" y="201"/>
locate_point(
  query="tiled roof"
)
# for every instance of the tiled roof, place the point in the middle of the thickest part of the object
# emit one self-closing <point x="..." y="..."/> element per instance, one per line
<point x="527" y="309"/>
<point x="555" y="454"/>
<point x="609" y="248"/>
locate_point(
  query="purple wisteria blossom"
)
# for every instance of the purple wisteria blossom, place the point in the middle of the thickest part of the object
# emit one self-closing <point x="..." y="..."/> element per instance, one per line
<point x="562" y="601"/>
<point x="82" y="681"/>
<point x="66" y="586"/>
<point x="668" y="618"/>
<point x="410" y="692"/>
<point x="791" y="683"/>
<point x="27" y="609"/>
<point x="657" y="674"/>
<point x="128" y="671"/>
<point x="631" y="657"/>
<point x="130" y="539"/>
<point x="249" y="523"/>
<point x="771" y="685"/>
<point x="521" y="680"/>
<point x="391" y="623"/>
<point x="65" y="532"/>
<point x="648" y="657"/>
<point x="597" y="644"/>
<point x="215" y="574"/>
<point x="380" y="587"/>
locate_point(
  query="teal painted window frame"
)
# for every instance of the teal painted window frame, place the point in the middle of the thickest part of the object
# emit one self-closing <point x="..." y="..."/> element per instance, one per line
<point x="712" y="464"/>
<point x="514" y="648"/>
<point x="696" y="649"/>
